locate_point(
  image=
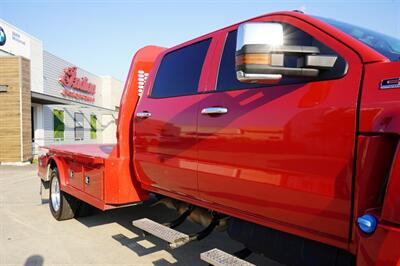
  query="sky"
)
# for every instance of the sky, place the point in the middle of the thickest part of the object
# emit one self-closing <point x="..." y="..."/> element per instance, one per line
<point x="102" y="36"/>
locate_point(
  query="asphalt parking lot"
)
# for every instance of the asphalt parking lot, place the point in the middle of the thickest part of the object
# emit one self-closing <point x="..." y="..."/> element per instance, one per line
<point x="30" y="236"/>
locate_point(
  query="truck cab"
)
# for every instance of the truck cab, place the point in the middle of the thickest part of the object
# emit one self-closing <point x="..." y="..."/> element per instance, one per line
<point x="287" y="123"/>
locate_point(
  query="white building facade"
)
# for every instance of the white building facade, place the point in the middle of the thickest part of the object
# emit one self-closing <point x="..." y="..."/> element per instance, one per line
<point x="69" y="105"/>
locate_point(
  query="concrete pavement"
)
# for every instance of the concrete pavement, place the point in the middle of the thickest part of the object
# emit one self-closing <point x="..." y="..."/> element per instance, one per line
<point x="29" y="235"/>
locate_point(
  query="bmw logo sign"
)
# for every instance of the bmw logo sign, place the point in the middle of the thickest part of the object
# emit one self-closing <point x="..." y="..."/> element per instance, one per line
<point x="2" y="37"/>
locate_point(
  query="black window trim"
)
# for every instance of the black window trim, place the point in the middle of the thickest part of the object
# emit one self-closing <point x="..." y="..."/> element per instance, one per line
<point x="176" y="49"/>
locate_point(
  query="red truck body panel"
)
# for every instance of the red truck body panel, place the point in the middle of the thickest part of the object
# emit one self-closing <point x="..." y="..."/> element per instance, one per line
<point x="307" y="159"/>
<point x="278" y="154"/>
<point x="382" y="248"/>
<point x="379" y="110"/>
<point x="391" y="205"/>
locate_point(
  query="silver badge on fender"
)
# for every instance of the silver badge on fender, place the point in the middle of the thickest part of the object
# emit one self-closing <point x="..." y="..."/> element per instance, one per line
<point x="390" y="83"/>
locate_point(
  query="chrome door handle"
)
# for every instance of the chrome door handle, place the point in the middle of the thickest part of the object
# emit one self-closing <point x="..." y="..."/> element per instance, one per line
<point x="143" y="114"/>
<point x="214" y="111"/>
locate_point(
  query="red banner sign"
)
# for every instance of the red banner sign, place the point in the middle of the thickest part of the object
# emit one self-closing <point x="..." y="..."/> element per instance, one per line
<point x="70" y="80"/>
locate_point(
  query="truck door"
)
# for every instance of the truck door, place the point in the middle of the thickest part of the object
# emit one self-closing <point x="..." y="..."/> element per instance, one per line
<point x="282" y="154"/>
<point x="165" y="122"/>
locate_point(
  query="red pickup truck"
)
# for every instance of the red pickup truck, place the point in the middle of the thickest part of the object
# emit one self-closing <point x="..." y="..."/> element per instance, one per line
<point x="282" y="129"/>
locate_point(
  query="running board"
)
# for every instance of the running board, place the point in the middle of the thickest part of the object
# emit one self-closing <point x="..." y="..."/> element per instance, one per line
<point x="173" y="237"/>
<point x="218" y="257"/>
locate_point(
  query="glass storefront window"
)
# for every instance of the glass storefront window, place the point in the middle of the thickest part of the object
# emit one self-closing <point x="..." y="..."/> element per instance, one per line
<point x="93" y="127"/>
<point x="58" y="117"/>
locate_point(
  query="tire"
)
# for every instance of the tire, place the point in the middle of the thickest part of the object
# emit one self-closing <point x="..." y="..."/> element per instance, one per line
<point x="62" y="205"/>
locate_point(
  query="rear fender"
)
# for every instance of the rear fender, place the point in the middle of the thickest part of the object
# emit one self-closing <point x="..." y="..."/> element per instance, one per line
<point x="60" y="164"/>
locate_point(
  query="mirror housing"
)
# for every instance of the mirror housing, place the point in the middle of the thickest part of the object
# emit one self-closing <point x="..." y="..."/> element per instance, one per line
<point x="261" y="52"/>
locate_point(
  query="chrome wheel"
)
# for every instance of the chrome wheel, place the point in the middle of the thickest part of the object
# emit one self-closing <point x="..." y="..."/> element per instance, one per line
<point x="55" y="194"/>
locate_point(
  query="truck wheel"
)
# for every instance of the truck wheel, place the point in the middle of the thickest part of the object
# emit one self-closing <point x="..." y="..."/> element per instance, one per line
<point x="62" y="205"/>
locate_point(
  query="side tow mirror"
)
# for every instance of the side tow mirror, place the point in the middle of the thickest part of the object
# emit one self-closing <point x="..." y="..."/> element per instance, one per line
<point x="261" y="52"/>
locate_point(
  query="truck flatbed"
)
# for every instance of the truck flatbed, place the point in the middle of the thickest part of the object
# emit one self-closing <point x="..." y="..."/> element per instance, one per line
<point x="88" y="150"/>
<point x="92" y="173"/>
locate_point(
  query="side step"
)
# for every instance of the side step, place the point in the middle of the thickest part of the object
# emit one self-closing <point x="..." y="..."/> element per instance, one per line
<point x="173" y="237"/>
<point x="218" y="257"/>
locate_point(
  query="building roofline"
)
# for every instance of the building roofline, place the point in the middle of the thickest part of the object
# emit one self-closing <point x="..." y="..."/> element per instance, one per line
<point x="61" y="101"/>
<point x="20" y="30"/>
<point x="100" y="76"/>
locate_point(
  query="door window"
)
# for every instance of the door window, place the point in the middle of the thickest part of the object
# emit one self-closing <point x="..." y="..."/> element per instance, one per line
<point x="293" y="36"/>
<point x="179" y="71"/>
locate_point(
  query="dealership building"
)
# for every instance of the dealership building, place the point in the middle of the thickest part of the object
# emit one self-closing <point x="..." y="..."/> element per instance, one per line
<point x="46" y="100"/>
